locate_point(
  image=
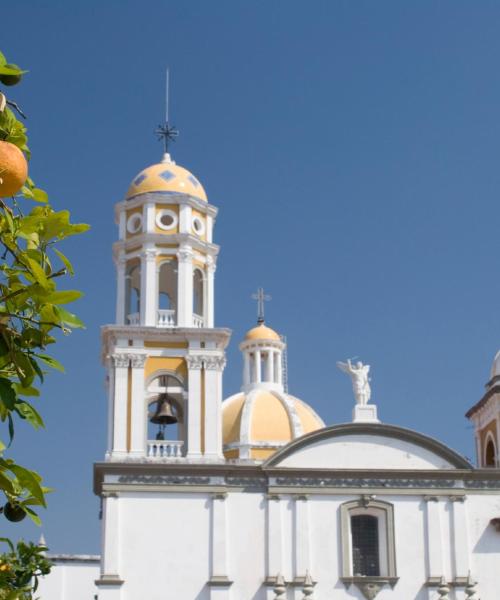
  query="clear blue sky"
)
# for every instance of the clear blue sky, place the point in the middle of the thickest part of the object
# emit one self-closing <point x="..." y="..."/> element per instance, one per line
<point x="353" y="150"/>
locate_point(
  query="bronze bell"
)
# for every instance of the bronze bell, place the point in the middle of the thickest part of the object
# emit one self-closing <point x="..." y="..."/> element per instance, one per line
<point x="164" y="414"/>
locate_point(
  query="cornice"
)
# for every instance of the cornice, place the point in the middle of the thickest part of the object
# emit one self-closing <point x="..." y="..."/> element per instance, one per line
<point x="166" y="198"/>
<point x="484" y="400"/>
<point x="174" y="239"/>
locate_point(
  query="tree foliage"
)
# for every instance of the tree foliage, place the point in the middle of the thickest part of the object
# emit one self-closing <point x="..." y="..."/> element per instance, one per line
<point x="32" y="310"/>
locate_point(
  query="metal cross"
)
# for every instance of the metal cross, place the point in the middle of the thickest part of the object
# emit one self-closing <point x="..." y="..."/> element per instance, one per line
<point x="261" y="298"/>
<point x="166" y="131"/>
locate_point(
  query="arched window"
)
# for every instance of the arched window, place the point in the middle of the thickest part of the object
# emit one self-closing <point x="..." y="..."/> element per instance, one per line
<point x="165" y="414"/>
<point x="490" y="453"/>
<point x="167" y="294"/>
<point x="198" y="292"/>
<point x="368" y="542"/>
<point x="133" y="293"/>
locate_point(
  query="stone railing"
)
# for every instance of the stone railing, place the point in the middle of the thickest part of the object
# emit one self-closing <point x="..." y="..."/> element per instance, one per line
<point x="134" y="319"/>
<point x="197" y="321"/>
<point x="166" y="317"/>
<point x="165" y="448"/>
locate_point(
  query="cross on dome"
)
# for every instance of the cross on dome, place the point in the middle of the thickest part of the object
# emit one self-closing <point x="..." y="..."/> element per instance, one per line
<point x="261" y="298"/>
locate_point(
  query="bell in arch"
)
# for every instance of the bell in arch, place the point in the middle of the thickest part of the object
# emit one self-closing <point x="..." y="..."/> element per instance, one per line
<point x="164" y="414"/>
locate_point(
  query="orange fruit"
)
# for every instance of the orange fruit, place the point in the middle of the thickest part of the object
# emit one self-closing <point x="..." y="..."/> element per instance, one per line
<point x="13" y="169"/>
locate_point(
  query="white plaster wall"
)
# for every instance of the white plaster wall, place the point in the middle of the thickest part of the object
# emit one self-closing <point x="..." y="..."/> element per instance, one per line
<point x="69" y="581"/>
<point x="364" y="452"/>
<point x="165" y="548"/>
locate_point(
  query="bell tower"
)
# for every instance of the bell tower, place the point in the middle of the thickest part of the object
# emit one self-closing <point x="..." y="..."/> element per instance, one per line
<point x="164" y="357"/>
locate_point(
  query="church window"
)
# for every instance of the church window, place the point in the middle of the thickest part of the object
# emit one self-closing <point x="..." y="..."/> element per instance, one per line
<point x="490" y="453"/>
<point x="198" y="226"/>
<point x="365" y="545"/>
<point x="134" y="223"/>
<point x="198" y="292"/>
<point x="167" y="294"/>
<point x="133" y="293"/>
<point x="368" y="543"/>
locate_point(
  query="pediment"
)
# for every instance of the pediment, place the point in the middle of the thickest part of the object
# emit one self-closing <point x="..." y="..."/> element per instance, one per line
<point x="367" y="446"/>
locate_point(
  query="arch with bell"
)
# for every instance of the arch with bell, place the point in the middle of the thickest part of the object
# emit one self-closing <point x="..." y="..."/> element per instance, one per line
<point x="166" y="401"/>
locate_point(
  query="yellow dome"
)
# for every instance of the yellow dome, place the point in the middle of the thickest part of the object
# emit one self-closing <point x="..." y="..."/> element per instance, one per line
<point x="261" y="332"/>
<point x="264" y="421"/>
<point x="166" y="177"/>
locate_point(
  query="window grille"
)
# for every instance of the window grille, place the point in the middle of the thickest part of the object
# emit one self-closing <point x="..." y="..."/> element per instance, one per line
<point x="365" y="545"/>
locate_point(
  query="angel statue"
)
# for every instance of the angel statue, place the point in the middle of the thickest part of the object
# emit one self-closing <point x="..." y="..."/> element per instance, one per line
<point x="360" y="380"/>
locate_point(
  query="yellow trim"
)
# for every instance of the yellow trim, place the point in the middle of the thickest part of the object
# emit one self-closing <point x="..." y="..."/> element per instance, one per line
<point x="175" y="209"/>
<point x="166" y="345"/>
<point x="165" y="363"/>
<point x="203" y="219"/>
<point x="231" y="453"/>
<point x="129" y="408"/>
<point x="261" y="453"/>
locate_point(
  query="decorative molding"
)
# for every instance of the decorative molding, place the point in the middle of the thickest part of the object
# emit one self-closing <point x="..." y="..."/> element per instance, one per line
<point x="109" y="580"/>
<point x="277" y="497"/>
<point x="211" y="263"/>
<point x="194" y="361"/>
<point x="214" y="363"/>
<point x="165" y="479"/>
<point x="246" y="481"/>
<point x="428" y="498"/>
<point x="344" y="482"/>
<point x="185" y="254"/>
<point x="470" y="588"/>
<point x="138" y="361"/>
<point x="121" y="360"/>
<point x="443" y="589"/>
<point x="279" y="587"/>
<point x="457" y="498"/>
<point x="219" y="581"/>
<point x="366" y="499"/>
<point x="219" y="496"/>
<point x="148" y="254"/>
<point x="109" y="495"/>
<point x="483" y="484"/>
<point x="308" y="588"/>
<point x="369" y="586"/>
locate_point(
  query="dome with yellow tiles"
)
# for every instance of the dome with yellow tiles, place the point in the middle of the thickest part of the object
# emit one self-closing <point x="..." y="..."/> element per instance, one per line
<point x="262" y="332"/>
<point x="166" y="177"/>
<point x="258" y="423"/>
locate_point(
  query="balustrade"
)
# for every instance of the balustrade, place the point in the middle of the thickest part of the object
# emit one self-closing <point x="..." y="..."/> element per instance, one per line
<point x="165" y="448"/>
<point x="166" y="318"/>
<point x="197" y="321"/>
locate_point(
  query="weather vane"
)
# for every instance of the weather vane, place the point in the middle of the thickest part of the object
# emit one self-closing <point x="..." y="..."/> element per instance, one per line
<point x="261" y="298"/>
<point x="167" y="132"/>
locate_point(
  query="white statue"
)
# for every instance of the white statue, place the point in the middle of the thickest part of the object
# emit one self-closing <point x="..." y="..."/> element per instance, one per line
<point x="360" y="380"/>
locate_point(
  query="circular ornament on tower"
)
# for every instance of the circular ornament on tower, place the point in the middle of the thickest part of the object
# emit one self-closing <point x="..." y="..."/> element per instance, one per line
<point x="166" y="219"/>
<point x="198" y="226"/>
<point x="134" y="223"/>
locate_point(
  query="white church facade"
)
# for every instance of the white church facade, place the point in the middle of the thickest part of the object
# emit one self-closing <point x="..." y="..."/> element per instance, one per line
<point x="254" y="497"/>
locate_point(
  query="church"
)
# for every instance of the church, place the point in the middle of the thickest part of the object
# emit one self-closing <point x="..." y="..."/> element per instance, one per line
<point x="254" y="497"/>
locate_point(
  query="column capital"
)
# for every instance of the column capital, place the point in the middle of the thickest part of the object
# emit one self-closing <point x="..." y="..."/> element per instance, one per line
<point x="138" y="361"/>
<point x="148" y="254"/>
<point x="185" y="254"/>
<point x="214" y="363"/>
<point x="431" y="498"/>
<point x="211" y="263"/>
<point x="194" y="361"/>
<point x="120" y="360"/>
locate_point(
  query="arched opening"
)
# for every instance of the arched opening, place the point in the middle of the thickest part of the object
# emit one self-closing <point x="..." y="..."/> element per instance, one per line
<point x="165" y="414"/>
<point x="167" y="294"/>
<point x="490" y="454"/>
<point x="365" y="545"/>
<point x="198" y="300"/>
<point x="133" y="292"/>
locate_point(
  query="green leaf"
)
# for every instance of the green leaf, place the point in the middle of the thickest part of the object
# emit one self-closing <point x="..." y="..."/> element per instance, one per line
<point x="38" y="272"/>
<point x="40" y="195"/>
<point x="28" y="412"/>
<point x="65" y="261"/>
<point x="33" y="516"/>
<point x="26" y="391"/>
<point x="3" y="61"/>
<point x="69" y="318"/>
<point x="63" y="297"/>
<point x="7" y="394"/>
<point x="52" y="362"/>
<point x="30" y="481"/>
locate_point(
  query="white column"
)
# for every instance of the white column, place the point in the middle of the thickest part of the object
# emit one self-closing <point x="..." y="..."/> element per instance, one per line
<point x="210" y="293"/>
<point x="270" y="366"/>
<point x="434" y="537"/>
<point x="219" y="581"/>
<point x="121" y="287"/>
<point x="185" y="218"/>
<point x="497" y="443"/>
<point x="122" y="225"/>
<point x="210" y="227"/>
<point x="110" y="388"/>
<point x="149" y="287"/>
<point x="185" y="287"/>
<point x="138" y="413"/>
<point x="148" y="217"/>
<point x="278" y="370"/>
<point x="275" y="563"/>
<point x="258" y="366"/>
<point x="214" y="366"/>
<point x="246" y="369"/>
<point x="110" y="553"/>
<point x="121" y="362"/>
<point x="461" y="557"/>
<point x="302" y="543"/>
<point x="193" y="412"/>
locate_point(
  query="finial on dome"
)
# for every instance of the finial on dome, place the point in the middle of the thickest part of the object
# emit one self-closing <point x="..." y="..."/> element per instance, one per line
<point x="167" y="132"/>
<point x="261" y="298"/>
